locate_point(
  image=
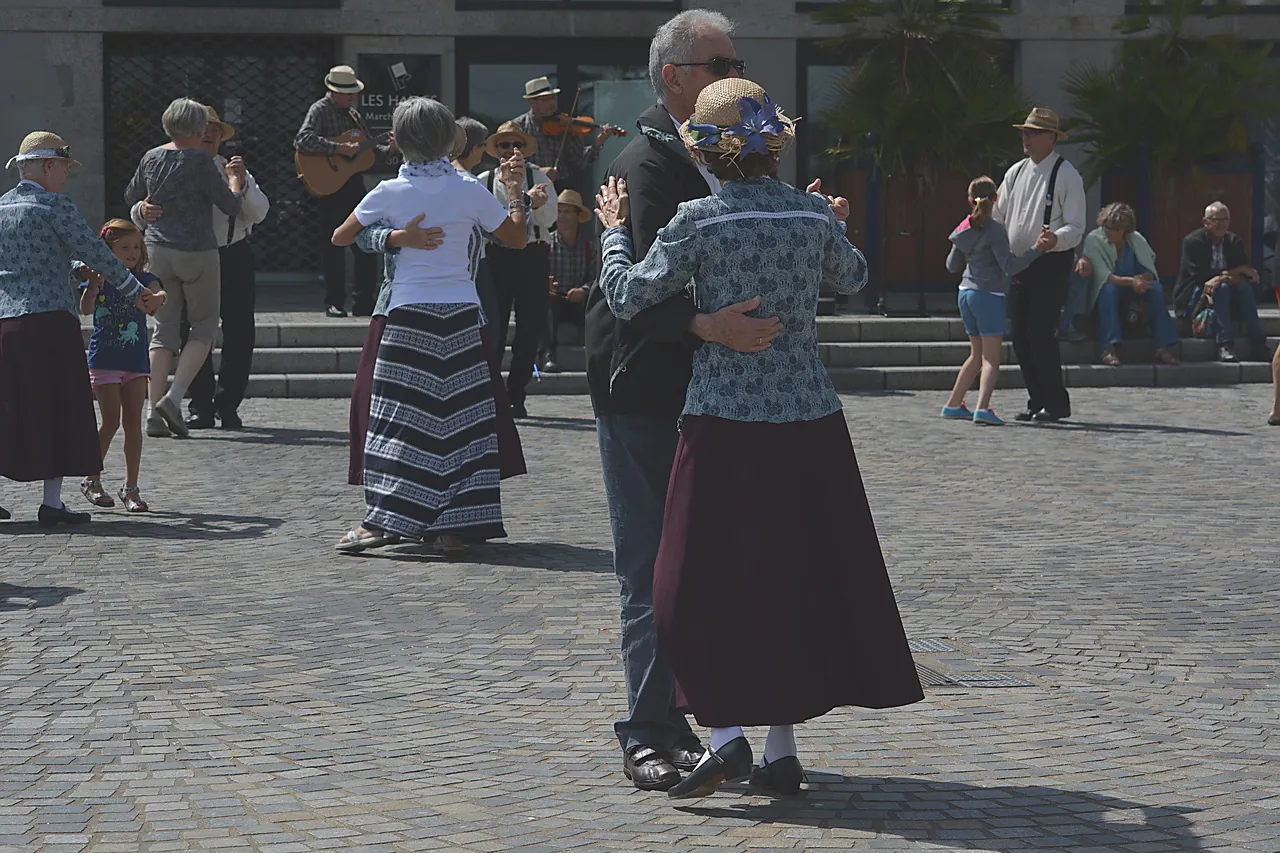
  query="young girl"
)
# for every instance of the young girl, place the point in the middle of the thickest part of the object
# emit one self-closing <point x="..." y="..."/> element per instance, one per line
<point x="980" y="247"/>
<point x="119" y="365"/>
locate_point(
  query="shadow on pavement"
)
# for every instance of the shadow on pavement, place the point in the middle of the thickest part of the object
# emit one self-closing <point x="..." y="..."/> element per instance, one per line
<point x="1087" y="426"/>
<point x="29" y="597"/>
<point x="996" y="818"/>
<point x="572" y="424"/>
<point x="166" y="525"/>
<point x="551" y="556"/>
<point x="273" y="435"/>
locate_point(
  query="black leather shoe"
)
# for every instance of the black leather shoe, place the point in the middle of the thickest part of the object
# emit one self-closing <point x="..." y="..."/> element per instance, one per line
<point x="550" y="365"/>
<point x="53" y="516"/>
<point x="730" y="763"/>
<point x="230" y="420"/>
<point x="648" y="770"/>
<point x="199" y="420"/>
<point x="1024" y="416"/>
<point x="334" y="311"/>
<point x="519" y="411"/>
<point x="1045" y="416"/>
<point x="781" y="777"/>
<point x="4" y="514"/>
<point x="686" y="753"/>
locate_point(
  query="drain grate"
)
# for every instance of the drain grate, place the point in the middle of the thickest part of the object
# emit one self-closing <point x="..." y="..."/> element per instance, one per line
<point x="930" y="677"/>
<point x="930" y="645"/>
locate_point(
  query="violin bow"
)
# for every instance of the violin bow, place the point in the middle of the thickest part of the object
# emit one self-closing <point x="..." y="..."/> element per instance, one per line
<point x="564" y="140"/>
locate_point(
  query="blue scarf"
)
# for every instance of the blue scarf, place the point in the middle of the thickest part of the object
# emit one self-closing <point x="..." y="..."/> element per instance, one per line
<point x="429" y="169"/>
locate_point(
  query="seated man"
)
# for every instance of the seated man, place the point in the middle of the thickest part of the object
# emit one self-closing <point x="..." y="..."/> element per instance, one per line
<point x="1214" y="261"/>
<point x="575" y="265"/>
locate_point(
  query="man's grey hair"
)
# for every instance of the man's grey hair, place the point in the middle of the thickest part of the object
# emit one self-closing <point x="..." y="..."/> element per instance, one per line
<point x="184" y="117"/>
<point x="476" y="132"/>
<point x="1216" y="207"/>
<point x="674" y="42"/>
<point x="424" y="129"/>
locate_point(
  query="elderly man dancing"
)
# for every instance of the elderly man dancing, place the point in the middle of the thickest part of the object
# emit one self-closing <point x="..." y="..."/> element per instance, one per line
<point x="47" y="426"/>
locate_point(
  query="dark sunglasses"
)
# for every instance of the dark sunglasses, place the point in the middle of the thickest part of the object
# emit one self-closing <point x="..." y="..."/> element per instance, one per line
<point x="1034" y="132"/>
<point x="505" y="145"/>
<point x="719" y="65"/>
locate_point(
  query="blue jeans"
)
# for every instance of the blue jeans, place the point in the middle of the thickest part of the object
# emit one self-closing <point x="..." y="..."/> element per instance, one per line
<point x="636" y="455"/>
<point x="1234" y="303"/>
<point x="1162" y="327"/>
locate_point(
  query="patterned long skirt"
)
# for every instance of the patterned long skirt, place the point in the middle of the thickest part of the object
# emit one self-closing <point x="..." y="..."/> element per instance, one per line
<point x="431" y="454"/>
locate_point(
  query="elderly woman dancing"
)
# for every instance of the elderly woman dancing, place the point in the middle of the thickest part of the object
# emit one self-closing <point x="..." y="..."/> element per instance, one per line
<point x="431" y="463"/>
<point x="771" y="598"/>
<point x="47" y="426"/>
<point x="183" y="179"/>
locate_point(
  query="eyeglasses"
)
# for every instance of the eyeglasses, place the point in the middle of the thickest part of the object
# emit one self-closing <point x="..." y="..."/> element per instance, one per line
<point x="507" y="145"/>
<point x="1026" y="133"/>
<point x="719" y="65"/>
<point x="1219" y="218"/>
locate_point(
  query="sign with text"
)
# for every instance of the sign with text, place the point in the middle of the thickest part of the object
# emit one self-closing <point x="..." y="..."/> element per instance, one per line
<point x="388" y="79"/>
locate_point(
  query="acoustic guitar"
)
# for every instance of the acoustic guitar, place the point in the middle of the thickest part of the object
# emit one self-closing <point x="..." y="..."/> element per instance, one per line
<point x="325" y="174"/>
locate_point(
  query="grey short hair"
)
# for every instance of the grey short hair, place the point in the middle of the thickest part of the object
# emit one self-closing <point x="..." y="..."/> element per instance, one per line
<point x="1119" y="217"/>
<point x="424" y="129"/>
<point x="1216" y="207"/>
<point x="184" y="117"/>
<point x="476" y="132"/>
<point x="673" y="43"/>
<point x="30" y="169"/>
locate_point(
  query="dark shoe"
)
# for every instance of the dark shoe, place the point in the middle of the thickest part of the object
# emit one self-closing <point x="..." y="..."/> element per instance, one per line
<point x="686" y="753"/>
<point x="648" y="770"/>
<point x="200" y="421"/>
<point x="781" y="777"/>
<point x="1258" y="351"/>
<point x="550" y="365"/>
<point x="1072" y="335"/>
<point x="1270" y="422"/>
<point x="334" y="311"/>
<point x="1110" y="357"/>
<point x="362" y="311"/>
<point x="230" y="420"/>
<point x="1227" y="353"/>
<point x="1044" y="416"/>
<point x="519" y="411"/>
<point x="1025" y="416"/>
<point x="4" y="514"/>
<point x="731" y="763"/>
<point x="53" y="516"/>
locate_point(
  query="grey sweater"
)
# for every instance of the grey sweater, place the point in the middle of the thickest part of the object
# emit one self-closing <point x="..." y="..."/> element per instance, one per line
<point x="187" y="184"/>
<point x="984" y="255"/>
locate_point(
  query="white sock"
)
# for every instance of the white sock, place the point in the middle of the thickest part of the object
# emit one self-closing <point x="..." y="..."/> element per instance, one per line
<point x="53" y="492"/>
<point x="719" y="737"/>
<point x="781" y="743"/>
<point x="175" y="393"/>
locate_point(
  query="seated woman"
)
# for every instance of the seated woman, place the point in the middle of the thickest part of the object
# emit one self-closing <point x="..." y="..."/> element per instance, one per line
<point x="1123" y="262"/>
<point x="431" y="459"/>
<point x="772" y="602"/>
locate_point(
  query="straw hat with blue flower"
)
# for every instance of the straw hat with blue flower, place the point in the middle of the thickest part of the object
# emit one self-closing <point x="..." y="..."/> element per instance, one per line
<point x="734" y="118"/>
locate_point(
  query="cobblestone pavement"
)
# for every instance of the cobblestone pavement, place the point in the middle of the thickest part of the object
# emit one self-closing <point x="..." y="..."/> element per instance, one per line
<point x="214" y="676"/>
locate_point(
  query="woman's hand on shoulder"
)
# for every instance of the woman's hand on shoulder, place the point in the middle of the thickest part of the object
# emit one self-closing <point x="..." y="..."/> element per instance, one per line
<point x="414" y="236"/>
<point x="613" y="205"/>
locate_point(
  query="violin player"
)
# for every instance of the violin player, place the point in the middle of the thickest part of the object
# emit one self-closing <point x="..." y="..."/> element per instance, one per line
<point x="566" y="149"/>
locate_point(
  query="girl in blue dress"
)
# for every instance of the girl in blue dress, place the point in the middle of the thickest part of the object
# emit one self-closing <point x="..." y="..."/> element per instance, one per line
<point x="119" y="365"/>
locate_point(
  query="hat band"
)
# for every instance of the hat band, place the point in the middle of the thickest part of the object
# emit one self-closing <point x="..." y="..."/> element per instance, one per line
<point x="44" y="154"/>
<point x="540" y="93"/>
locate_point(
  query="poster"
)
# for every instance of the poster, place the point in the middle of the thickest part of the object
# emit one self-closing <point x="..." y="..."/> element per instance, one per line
<point x="390" y="78"/>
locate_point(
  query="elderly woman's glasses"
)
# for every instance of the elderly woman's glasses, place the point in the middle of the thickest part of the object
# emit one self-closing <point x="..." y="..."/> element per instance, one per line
<point x="719" y="65"/>
<point x="507" y="146"/>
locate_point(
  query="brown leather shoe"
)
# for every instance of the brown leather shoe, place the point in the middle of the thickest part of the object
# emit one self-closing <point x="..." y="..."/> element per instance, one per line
<point x="648" y="769"/>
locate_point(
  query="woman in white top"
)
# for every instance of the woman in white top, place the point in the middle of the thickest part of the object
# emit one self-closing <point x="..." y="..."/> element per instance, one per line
<point x="431" y="455"/>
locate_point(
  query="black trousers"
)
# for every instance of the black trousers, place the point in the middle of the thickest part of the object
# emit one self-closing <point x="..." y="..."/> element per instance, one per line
<point x="239" y="334"/>
<point x="559" y="311"/>
<point x="334" y="210"/>
<point x="521" y="279"/>
<point x="1035" y="302"/>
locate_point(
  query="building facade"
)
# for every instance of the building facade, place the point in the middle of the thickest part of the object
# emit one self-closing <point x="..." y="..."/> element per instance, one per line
<point x="100" y="71"/>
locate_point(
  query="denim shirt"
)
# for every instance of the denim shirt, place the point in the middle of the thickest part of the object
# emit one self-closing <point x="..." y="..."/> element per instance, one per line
<point x="41" y="232"/>
<point x="758" y="237"/>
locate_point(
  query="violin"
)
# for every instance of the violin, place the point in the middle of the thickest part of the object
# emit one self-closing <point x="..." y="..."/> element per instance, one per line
<point x="562" y="124"/>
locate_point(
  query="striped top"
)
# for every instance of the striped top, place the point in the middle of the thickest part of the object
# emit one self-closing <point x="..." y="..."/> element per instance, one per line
<point x="758" y="237"/>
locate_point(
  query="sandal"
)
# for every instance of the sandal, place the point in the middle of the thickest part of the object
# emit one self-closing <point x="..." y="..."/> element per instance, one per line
<point x="451" y="545"/>
<point x="132" y="501"/>
<point x="353" y="541"/>
<point x="94" y="493"/>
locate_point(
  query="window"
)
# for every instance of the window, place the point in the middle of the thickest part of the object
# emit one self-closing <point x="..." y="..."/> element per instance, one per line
<point x="463" y="5"/>
<point x="805" y="6"/>
<point x="239" y="4"/>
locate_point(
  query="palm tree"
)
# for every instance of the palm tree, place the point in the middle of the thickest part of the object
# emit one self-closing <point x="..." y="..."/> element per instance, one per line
<point x="928" y="88"/>
<point x="1185" y="101"/>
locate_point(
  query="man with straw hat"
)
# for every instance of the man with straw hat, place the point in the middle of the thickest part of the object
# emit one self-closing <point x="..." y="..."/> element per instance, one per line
<point x="1042" y="193"/>
<point x="575" y="265"/>
<point x="48" y="429"/>
<point x="520" y="274"/>
<point x="565" y="158"/>
<point x="331" y="116"/>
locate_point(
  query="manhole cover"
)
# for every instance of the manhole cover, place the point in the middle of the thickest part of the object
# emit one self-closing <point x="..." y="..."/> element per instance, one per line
<point x="927" y="645"/>
<point x="931" y="677"/>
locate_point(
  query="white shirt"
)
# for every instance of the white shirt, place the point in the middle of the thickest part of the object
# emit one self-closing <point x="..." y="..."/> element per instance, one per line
<point x="713" y="183"/>
<point x="452" y="202"/>
<point x="540" y="220"/>
<point x="1021" y="204"/>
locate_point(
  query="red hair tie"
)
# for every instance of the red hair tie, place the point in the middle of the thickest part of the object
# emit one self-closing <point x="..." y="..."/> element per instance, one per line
<point x="105" y="231"/>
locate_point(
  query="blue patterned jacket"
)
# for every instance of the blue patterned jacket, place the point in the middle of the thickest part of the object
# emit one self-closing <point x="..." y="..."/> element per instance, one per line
<point x="41" y="232"/>
<point x="758" y="237"/>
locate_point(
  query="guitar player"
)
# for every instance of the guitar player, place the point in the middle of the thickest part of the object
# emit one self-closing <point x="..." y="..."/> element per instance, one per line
<point x="334" y="115"/>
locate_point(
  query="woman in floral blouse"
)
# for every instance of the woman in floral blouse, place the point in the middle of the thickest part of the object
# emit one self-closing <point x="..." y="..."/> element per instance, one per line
<point x="772" y="602"/>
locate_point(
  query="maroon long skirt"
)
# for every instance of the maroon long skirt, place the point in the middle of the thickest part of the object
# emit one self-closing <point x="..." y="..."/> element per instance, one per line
<point x="510" y="452"/>
<point x="47" y="424"/>
<point x="771" y="597"/>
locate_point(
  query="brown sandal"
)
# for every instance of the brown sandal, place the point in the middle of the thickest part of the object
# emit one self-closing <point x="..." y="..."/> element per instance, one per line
<point x="133" y="502"/>
<point x="93" y="492"/>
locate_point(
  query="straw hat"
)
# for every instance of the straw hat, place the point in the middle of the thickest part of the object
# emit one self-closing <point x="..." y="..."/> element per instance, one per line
<point x="1043" y="118"/>
<point x="227" y="130"/>
<point x="735" y="116"/>
<point x="572" y="197"/>
<point x="42" y="145"/>
<point x="510" y="128"/>
<point x="342" y="79"/>
<point x="538" y="87"/>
